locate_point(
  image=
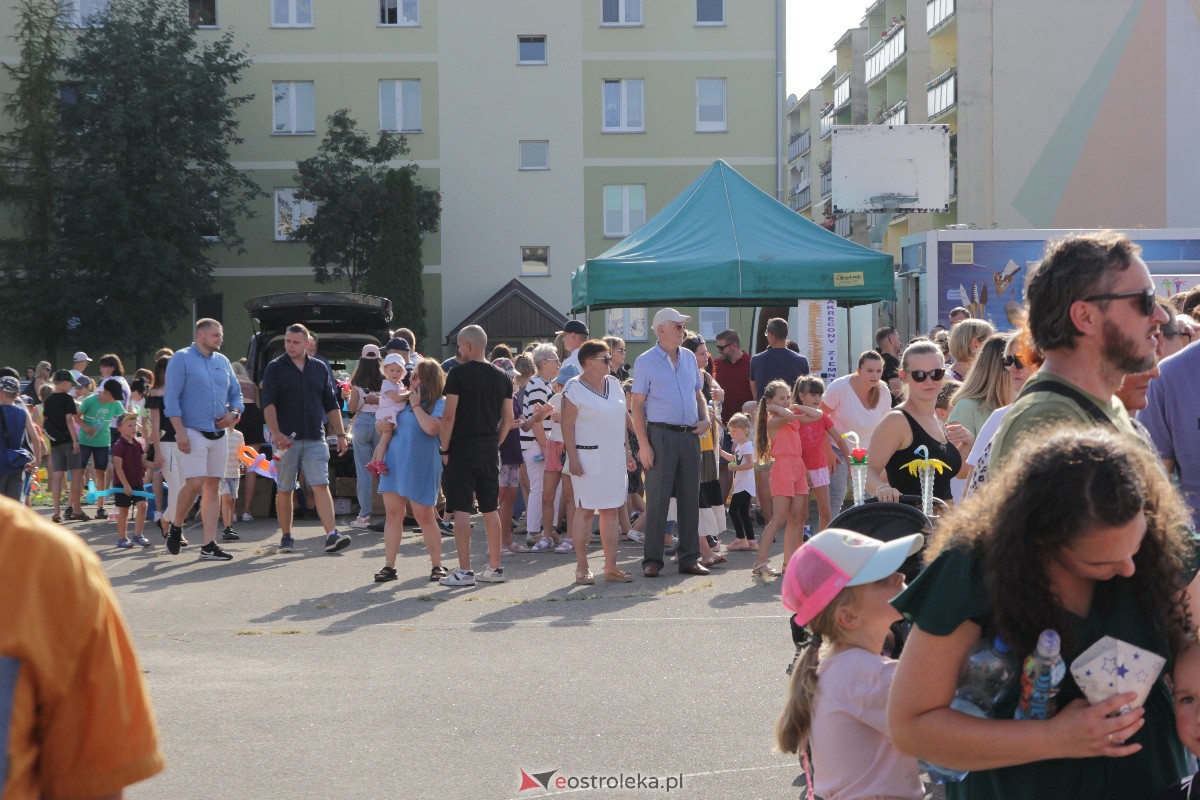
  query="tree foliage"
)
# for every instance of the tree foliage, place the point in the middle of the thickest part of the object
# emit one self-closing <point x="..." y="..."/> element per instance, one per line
<point x="346" y="180"/>
<point x="396" y="268"/>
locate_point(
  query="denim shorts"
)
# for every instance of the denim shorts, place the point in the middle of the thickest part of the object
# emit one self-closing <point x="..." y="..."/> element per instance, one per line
<point x="311" y="455"/>
<point x="97" y="455"/>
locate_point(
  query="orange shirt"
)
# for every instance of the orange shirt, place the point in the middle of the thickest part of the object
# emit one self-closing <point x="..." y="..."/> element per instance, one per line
<point x="73" y="705"/>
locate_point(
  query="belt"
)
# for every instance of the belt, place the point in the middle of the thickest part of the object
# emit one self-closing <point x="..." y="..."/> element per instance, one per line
<point x="587" y="447"/>
<point x="670" y="427"/>
<point x="213" y="435"/>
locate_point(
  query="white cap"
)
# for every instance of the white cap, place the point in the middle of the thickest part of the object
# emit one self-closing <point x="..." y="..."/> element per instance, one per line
<point x="80" y="356"/>
<point x="665" y="315"/>
<point x="394" y="358"/>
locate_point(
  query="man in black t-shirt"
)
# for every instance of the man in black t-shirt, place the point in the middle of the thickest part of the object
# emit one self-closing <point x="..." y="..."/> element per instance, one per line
<point x="59" y="417"/>
<point x="477" y="417"/>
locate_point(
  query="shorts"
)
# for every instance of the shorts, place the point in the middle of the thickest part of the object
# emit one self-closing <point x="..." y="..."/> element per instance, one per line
<point x="311" y="455"/>
<point x="510" y="476"/>
<point x="788" y="477"/>
<point x="228" y="487"/>
<point x="96" y="455"/>
<point x="553" y="451"/>
<point x="206" y="459"/>
<point x="818" y="477"/>
<point x="63" y="457"/>
<point x="472" y="477"/>
<point x="122" y="500"/>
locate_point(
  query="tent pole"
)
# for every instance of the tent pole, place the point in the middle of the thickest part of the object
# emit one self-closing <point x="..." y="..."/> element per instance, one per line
<point x="849" y="353"/>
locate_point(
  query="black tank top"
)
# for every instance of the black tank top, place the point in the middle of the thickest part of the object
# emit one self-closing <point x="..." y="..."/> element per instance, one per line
<point x="943" y="451"/>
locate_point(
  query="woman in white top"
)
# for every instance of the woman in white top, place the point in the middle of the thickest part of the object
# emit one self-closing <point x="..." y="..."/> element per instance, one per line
<point x="857" y="402"/>
<point x="1020" y="362"/>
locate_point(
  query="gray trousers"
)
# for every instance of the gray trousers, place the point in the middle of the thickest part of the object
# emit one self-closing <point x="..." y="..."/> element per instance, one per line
<point x="676" y="467"/>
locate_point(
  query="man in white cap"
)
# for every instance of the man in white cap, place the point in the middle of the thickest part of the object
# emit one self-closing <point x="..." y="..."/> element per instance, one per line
<point x="80" y="363"/>
<point x="574" y="334"/>
<point x="669" y="414"/>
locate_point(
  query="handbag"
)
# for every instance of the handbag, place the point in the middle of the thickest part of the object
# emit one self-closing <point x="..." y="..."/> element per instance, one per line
<point x="15" y="458"/>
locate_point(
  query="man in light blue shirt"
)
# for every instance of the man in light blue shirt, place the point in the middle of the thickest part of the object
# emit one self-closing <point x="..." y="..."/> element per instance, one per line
<point x="202" y="399"/>
<point x="669" y="414"/>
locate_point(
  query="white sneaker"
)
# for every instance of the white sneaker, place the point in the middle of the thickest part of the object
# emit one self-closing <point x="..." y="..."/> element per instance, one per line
<point x="490" y="575"/>
<point x="636" y="536"/>
<point x="247" y="518"/>
<point x="360" y="522"/>
<point x="459" y="578"/>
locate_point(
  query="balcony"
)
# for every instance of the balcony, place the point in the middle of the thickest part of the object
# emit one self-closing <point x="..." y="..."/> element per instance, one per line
<point x="800" y="197"/>
<point x="883" y="55"/>
<point x="827" y="125"/>
<point x="937" y="12"/>
<point x="826" y="183"/>
<point x="942" y="93"/>
<point x="896" y="115"/>
<point x="841" y="93"/>
<point x="799" y="144"/>
<point x="842" y="226"/>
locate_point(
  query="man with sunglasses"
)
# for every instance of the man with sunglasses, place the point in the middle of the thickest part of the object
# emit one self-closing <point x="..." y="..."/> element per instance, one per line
<point x="731" y="368"/>
<point x="1092" y="314"/>
<point x="1171" y="415"/>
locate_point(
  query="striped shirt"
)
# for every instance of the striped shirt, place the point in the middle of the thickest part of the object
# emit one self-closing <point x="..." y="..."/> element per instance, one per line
<point x="537" y="392"/>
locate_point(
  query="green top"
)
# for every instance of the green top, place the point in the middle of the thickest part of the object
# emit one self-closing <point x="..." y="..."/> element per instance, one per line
<point x="971" y="413"/>
<point x="951" y="591"/>
<point x="1038" y="410"/>
<point x="98" y="415"/>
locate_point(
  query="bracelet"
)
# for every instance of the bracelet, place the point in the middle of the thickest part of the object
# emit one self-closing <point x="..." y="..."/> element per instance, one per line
<point x="444" y="452"/>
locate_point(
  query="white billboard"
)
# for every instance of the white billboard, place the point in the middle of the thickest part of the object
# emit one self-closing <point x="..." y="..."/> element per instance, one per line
<point x="891" y="168"/>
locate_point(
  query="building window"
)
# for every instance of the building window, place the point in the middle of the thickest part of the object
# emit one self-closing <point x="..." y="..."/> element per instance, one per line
<point x="400" y="106"/>
<point x="399" y="12"/>
<point x="710" y="105"/>
<point x="291" y="13"/>
<point x="621" y="12"/>
<point x="713" y="321"/>
<point x="291" y="213"/>
<point x="535" y="154"/>
<point x="77" y="13"/>
<point x="210" y="306"/>
<point x="624" y="209"/>
<point x="710" y="12"/>
<point x="202" y="13"/>
<point x="623" y="106"/>
<point x="627" y="323"/>
<point x="535" y="260"/>
<point x="531" y="49"/>
<point x="209" y="224"/>
<point x="295" y="111"/>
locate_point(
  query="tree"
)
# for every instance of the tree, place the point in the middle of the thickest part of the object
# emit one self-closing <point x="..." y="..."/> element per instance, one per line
<point x="396" y="268"/>
<point x="149" y="178"/>
<point x="346" y="181"/>
<point x="31" y="260"/>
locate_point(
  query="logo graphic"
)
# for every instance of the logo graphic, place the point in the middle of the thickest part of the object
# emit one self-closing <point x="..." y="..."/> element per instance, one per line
<point x="538" y="780"/>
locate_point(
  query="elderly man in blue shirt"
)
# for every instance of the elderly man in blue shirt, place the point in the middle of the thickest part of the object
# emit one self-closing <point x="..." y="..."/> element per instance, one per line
<point x="669" y="416"/>
<point x="201" y="399"/>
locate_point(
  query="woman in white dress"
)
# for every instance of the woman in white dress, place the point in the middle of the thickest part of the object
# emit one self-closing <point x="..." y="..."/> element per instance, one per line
<point x="594" y="421"/>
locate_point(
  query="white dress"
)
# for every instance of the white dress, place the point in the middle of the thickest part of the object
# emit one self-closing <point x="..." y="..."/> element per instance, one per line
<point x="600" y="442"/>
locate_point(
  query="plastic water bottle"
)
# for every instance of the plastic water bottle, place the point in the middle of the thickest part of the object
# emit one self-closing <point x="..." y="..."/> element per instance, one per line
<point x="986" y="674"/>
<point x="1043" y="674"/>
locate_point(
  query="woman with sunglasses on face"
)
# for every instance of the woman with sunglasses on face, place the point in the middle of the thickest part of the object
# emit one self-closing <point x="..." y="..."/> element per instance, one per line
<point x="913" y="424"/>
<point x="616" y="348"/>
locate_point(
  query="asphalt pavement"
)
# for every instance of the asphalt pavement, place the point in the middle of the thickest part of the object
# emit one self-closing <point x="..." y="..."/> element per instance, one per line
<point x="295" y="675"/>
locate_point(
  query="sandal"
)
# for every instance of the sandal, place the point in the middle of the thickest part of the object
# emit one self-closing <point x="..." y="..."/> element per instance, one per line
<point x="436" y="574"/>
<point x="56" y="518"/>
<point x="716" y="559"/>
<point x="542" y="546"/>
<point x="386" y="574"/>
<point x="619" y="576"/>
<point x="585" y="579"/>
<point x="764" y="570"/>
<point x="515" y="548"/>
<point x="565" y="546"/>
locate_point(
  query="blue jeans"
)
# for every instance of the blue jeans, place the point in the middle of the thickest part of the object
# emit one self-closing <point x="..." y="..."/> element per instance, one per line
<point x="365" y="440"/>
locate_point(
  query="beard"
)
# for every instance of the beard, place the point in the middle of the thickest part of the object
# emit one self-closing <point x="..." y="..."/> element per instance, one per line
<point x="1121" y="351"/>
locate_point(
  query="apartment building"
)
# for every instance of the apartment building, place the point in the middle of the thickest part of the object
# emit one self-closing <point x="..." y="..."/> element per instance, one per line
<point x="552" y="128"/>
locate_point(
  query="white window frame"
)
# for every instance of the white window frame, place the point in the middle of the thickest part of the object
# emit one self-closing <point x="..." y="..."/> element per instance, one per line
<point x="300" y="210"/>
<point x="527" y="165"/>
<point x="709" y="126"/>
<point x="534" y="268"/>
<point x="293" y="14"/>
<point x="292" y="124"/>
<point x="711" y="321"/>
<point x="710" y="23"/>
<point x="533" y="37"/>
<point x="405" y="86"/>
<point x="623" y="14"/>
<point x="626" y="323"/>
<point x="76" y="16"/>
<point x="626" y="87"/>
<point x="401" y="22"/>
<point x="205" y="25"/>
<point x="628" y="225"/>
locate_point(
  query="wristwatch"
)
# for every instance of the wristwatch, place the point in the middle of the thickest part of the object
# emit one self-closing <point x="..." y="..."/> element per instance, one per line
<point x="444" y="452"/>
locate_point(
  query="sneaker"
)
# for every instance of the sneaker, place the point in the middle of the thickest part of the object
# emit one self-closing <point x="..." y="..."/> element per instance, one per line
<point x="437" y="573"/>
<point x="490" y="575"/>
<point x="101" y="513"/>
<point x="141" y="541"/>
<point x="447" y="528"/>
<point x="636" y="536"/>
<point x="157" y="517"/>
<point x="287" y="544"/>
<point x="229" y="534"/>
<point x="336" y="541"/>
<point x="124" y="544"/>
<point x="174" y="537"/>
<point x="247" y="518"/>
<point x="361" y="522"/>
<point x="213" y="552"/>
<point x="459" y="577"/>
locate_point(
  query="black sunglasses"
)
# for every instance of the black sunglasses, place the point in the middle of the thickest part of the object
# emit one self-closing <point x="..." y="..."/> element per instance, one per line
<point x="1011" y="362"/>
<point x="919" y="375"/>
<point x="721" y="347"/>
<point x="1146" y="296"/>
<point x="605" y="359"/>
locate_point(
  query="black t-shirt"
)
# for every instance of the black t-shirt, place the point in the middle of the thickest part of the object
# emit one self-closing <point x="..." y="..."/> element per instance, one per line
<point x="482" y="391"/>
<point x="166" y="429"/>
<point x="54" y="417"/>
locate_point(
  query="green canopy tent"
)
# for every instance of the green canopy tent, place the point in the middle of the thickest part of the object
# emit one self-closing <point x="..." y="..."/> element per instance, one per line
<point x="725" y="242"/>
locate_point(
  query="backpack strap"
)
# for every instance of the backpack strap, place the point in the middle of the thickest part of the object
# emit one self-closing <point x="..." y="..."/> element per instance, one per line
<point x="1084" y="402"/>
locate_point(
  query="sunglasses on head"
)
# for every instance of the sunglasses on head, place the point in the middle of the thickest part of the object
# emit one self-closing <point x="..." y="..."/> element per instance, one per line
<point x="919" y="375"/>
<point x="1012" y="362"/>
<point x="1146" y="298"/>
